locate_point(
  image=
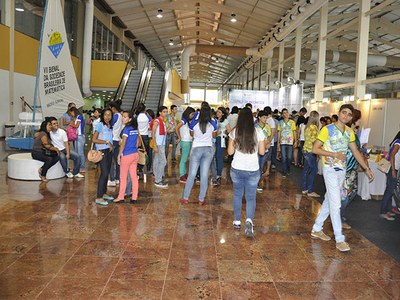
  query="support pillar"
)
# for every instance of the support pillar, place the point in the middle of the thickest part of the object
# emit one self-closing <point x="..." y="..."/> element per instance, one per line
<point x="362" y="50"/>
<point x="297" y="53"/>
<point x="320" y="76"/>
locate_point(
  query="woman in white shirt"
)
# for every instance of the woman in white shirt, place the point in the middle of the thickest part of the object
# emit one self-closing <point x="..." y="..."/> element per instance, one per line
<point x="185" y="139"/>
<point x="245" y="143"/>
<point x="203" y="129"/>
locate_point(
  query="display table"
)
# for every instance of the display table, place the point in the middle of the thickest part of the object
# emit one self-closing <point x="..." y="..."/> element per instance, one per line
<point x="376" y="187"/>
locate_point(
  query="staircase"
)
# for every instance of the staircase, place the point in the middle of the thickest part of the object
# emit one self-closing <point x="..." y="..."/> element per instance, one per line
<point x="131" y="90"/>
<point x="154" y="91"/>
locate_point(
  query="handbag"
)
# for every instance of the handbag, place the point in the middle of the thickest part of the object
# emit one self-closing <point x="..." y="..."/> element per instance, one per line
<point x="72" y="134"/>
<point x="94" y="156"/>
<point x="142" y="153"/>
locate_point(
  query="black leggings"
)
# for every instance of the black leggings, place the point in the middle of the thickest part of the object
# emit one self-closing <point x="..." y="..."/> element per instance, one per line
<point x="105" y="165"/>
<point x="49" y="161"/>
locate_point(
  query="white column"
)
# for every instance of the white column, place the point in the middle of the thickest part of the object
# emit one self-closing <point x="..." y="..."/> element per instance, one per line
<point x="362" y="50"/>
<point x="269" y="66"/>
<point x="297" y="52"/>
<point x="280" y="61"/>
<point x="320" y="76"/>
<point x="11" y="13"/>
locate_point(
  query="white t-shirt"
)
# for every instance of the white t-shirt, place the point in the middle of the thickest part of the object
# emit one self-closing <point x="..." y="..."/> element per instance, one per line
<point x="302" y="127"/>
<point x="246" y="161"/>
<point x="232" y="119"/>
<point x="117" y="127"/>
<point x="185" y="132"/>
<point x="397" y="157"/>
<point x="143" y="124"/>
<point x="201" y="139"/>
<point x="160" y="139"/>
<point x="94" y="123"/>
<point x="271" y="123"/>
<point x="58" y="138"/>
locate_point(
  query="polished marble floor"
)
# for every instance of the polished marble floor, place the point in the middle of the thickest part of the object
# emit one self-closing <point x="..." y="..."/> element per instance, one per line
<point x="55" y="243"/>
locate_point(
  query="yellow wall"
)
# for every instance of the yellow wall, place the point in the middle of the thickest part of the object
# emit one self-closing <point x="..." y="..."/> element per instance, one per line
<point x="4" y="48"/>
<point x="25" y="53"/>
<point x="107" y="73"/>
<point x="176" y="83"/>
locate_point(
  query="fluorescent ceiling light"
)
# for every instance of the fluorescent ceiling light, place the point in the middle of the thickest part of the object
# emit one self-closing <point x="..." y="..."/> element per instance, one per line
<point x="19" y="9"/>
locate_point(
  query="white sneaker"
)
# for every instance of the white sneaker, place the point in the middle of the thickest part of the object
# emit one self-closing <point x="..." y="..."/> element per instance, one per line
<point x="111" y="183"/>
<point x="236" y="224"/>
<point x="79" y="175"/>
<point x="69" y="175"/>
<point x="117" y="182"/>
<point x="249" y="228"/>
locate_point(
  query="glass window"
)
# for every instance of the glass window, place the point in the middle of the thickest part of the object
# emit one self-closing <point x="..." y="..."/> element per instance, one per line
<point x="71" y="23"/>
<point x="197" y="94"/>
<point x="28" y="17"/>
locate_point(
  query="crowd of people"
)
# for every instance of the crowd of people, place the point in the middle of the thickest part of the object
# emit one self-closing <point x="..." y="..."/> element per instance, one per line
<point x="249" y="144"/>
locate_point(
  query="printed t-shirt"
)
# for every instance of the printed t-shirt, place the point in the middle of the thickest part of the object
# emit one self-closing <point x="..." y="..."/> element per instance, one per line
<point x="310" y="135"/>
<point x="335" y="141"/>
<point x="287" y="130"/>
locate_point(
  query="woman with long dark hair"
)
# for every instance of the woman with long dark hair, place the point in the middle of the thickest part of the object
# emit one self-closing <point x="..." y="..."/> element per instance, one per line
<point x="223" y="129"/>
<point x="203" y="129"/>
<point x="391" y="177"/>
<point x="103" y="139"/>
<point x="185" y="140"/>
<point x="43" y="150"/>
<point x="245" y="144"/>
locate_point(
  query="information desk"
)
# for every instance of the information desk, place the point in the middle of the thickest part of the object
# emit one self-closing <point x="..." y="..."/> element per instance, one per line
<point x="376" y="187"/>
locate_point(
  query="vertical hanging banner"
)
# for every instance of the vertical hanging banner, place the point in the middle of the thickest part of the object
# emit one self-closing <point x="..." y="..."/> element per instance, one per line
<point x="57" y="80"/>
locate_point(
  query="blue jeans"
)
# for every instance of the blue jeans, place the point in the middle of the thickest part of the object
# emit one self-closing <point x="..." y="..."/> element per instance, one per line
<point x="200" y="157"/>
<point x="75" y="158"/>
<point x="349" y="198"/>
<point x="287" y="155"/>
<point x="387" y="196"/>
<point x="114" y="175"/>
<point x="309" y="172"/>
<point x="80" y="149"/>
<point x="332" y="202"/>
<point x="244" y="182"/>
<point x="104" y="164"/>
<point x="261" y="161"/>
<point x="171" y="139"/>
<point x="219" y="155"/>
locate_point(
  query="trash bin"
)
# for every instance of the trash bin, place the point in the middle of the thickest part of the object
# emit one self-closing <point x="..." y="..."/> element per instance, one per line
<point x="9" y="129"/>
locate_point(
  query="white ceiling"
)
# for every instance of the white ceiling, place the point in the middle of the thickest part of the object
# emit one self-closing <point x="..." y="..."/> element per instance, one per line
<point x="208" y="22"/>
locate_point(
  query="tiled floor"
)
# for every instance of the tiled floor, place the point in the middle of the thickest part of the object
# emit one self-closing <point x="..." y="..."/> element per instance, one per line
<point x="55" y="243"/>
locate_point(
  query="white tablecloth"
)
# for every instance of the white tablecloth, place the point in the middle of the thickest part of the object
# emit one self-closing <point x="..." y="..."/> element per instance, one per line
<point x="376" y="187"/>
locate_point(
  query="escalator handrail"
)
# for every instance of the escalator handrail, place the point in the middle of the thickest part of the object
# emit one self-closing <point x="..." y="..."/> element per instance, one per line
<point x="124" y="80"/>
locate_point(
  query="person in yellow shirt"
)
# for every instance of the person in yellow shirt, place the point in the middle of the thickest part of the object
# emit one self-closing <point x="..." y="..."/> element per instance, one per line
<point x="286" y="139"/>
<point x="332" y="143"/>
<point x="310" y="159"/>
